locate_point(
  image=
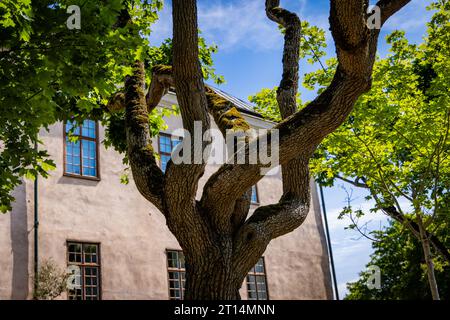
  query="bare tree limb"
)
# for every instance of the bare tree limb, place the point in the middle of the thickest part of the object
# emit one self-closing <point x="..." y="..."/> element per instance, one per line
<point x="390" y="7"/>
<point x="355" y="182"/>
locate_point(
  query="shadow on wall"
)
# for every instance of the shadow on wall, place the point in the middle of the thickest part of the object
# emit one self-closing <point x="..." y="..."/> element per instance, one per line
<point x="20" y="246"/>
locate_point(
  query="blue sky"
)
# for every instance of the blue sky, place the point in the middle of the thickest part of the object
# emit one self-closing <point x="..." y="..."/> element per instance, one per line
<point x="249" y="57"/>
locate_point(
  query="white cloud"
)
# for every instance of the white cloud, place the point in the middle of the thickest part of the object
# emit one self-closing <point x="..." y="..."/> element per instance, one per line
<point x="232" y="25"/>
<point x="235" y="25"/>
<point x="162" y="29"/>
<point x="411" y="18"/>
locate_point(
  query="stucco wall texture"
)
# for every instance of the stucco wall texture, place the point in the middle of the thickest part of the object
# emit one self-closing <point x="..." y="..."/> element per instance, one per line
<point x="133" y="234"/>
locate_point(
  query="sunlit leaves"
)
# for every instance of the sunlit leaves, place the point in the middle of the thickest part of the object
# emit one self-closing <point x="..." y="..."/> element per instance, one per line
<point x="49" y="73"/>
<point x="397" y="137"/>
<point x="399" y="255"/>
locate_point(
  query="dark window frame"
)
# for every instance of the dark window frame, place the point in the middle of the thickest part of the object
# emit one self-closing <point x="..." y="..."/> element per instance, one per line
<point x="81" y="138"/>
<point x="263" y="274"/>
<point x="179" y="270"/>
<point x="83" y="265"/>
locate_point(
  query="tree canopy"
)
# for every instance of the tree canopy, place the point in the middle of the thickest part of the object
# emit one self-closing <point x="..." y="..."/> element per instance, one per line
<point x="399" y="256"/>
<point x="50" y="73"/>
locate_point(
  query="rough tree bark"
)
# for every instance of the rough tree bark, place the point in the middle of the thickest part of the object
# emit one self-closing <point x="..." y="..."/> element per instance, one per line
<point x="219" y="242"/>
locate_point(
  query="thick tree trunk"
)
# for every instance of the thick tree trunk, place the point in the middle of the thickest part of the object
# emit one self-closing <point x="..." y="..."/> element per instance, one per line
<point x="429" y="261"/>
<point x="212" y="278"/>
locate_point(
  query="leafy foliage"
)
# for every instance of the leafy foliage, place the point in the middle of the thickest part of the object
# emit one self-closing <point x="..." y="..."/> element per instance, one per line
<point x="399" y="256"/>
<point x="51" y="281"/>
<point x="49" y="73"/>
<point x="396" y="139"/>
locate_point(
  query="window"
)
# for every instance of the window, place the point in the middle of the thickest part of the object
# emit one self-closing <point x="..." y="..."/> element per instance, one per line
<point x="81" y="158"/>
<point x="257" y="283"/>
<point x="255" y="199"/>
<point x="86" y="256"/>
<point x="177" y="272"/>
<point x="166" y="145"/>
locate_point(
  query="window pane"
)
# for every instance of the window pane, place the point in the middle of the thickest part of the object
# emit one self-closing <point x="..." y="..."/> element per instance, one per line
<point x="166" y="146"/>
<point x="181" y="260"/>
<point x="172" y="259"/>
<point x="164" y="160"/>
<point x="86" y="256"/>
<point x="261" y="283"/>
<point x="88" y="129"/>
<point x="262" y="295"/>
<point x="70" y="125"/>
<point x="89" y="158"/>
<point x="81" y="155"/>
<point x="72" y="157"/>
<point x="175" y="294"/>
<point x="90" y="253"/>
<point x="256" y="282"/>
<point x="74" y="251"/>
<point x="251" y="286"/>
<point x="259" y="267"/>
<point x="254" y="195"/>
<point x="176" y="274"/>
<point x="75" y="294"/>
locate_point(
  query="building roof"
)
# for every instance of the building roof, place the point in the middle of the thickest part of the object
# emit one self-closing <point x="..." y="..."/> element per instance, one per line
<point x="240" y="104"/>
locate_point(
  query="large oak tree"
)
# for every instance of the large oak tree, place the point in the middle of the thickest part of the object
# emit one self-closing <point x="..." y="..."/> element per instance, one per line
<point x="220" y="242"/>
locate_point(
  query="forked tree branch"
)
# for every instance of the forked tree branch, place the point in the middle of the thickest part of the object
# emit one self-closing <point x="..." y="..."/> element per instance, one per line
<point x="271" y="221"/>
<point x="300" y="132"/>
<point x="288" y="88"/>
<point x="303" y="131"/>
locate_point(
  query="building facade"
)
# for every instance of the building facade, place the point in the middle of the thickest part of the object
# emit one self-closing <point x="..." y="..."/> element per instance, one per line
<point x="120" y="243"/>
